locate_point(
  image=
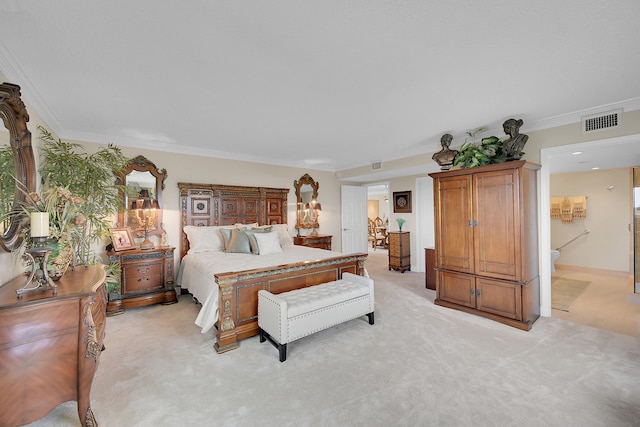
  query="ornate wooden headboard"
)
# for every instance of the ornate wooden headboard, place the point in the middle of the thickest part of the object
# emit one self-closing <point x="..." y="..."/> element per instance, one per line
<point x="214" y="204"/>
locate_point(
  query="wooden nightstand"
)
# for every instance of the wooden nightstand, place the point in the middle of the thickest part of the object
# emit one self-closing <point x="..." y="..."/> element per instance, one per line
<point x="146" y="278"/>
<point x="321" y="241"/>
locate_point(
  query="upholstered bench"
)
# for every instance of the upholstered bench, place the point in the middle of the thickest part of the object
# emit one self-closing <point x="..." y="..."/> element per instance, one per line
<point x="288" y="316"/>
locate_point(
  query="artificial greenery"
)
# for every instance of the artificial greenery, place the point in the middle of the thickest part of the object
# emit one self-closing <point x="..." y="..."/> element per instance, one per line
<point x="487" y="152"/>
<point x="113" y="278"/>
<point x="91" y="177"/>
<point x="7" y="185"/>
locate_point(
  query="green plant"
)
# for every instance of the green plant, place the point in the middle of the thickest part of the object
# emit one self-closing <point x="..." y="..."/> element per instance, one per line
<point x="90" y="177"/>
<point x="487" y="152"/>
<point x="7" y="185"/>
<point x="113" y="277"/>
<point x="471" y="134"/>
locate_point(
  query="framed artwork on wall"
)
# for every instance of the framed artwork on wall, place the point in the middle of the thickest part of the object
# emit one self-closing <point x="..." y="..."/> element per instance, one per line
<point x="402" y="201"/>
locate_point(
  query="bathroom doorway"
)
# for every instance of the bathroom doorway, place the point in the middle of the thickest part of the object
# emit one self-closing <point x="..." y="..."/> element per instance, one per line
<point x="612" y="309"/>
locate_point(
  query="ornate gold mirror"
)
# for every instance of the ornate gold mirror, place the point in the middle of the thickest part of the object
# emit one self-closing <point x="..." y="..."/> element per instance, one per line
<point x="143" y="184"/>
<point x="307" y="202"/>
<point x="18" y="171"/>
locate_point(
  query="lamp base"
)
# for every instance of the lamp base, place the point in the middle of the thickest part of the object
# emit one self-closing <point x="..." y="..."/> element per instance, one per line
<point x="147" y="244"/>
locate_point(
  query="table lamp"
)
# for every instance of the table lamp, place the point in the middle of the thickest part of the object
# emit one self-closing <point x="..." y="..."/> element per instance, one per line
<point x="146" y="210"/>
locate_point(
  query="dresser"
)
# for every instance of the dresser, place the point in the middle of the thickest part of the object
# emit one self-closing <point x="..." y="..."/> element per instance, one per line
<point x="321" y="241"/>
<point x="486" y="238"/>
<point x="399" y="250"/>
<point x="146" y="277"/>
<point x="50" y="346"/>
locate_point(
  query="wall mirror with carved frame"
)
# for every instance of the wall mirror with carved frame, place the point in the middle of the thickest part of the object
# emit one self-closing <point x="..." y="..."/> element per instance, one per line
<point x="141" y="179"/>
<point x="18" y="170"/>
<point x="307" y="196"/>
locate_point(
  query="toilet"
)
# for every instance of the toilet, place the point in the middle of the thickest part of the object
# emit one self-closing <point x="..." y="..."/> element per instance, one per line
<point x="555" y="254"/>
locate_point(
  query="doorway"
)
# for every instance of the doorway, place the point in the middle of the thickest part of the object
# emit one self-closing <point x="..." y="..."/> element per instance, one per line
<point x="617" y="301"/>
<point x="378" y="213"/>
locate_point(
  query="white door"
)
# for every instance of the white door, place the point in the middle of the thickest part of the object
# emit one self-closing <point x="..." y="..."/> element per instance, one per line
<point x="354" y="219"/>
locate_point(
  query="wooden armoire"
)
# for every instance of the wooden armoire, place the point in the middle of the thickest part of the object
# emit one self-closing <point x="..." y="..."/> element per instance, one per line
<point x="486" y="236"/>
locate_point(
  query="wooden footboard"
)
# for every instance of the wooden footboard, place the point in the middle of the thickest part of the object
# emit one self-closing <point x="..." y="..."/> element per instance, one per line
<point x="238" y="292"/>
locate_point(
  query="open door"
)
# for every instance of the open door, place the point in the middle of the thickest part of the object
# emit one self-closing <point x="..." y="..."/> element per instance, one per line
<point x="354" y="219"/>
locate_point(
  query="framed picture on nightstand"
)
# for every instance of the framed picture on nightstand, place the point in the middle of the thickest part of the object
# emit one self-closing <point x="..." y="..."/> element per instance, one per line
<point x="402" y="201"/>
<point x="122" y="239"/>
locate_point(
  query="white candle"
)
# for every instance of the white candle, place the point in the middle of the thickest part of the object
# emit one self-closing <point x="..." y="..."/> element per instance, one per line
<point x="39" y="224"/>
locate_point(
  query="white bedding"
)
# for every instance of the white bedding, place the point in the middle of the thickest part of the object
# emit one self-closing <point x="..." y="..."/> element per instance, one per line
<point x="197" y="271"/>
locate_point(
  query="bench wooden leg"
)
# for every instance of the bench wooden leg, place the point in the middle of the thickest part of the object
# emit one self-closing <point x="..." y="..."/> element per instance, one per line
<point x="370" y="316"/>
<point x="282" y="348"/>
<point x="282" y="351"/>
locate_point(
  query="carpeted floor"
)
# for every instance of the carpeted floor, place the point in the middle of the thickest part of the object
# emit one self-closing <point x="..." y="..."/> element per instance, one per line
<point x="419" y="365"/>
<point x="564" y="292"/>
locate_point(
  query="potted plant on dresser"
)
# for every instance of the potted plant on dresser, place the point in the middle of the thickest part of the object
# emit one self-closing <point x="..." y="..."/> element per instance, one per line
<point x="78" y="191"/>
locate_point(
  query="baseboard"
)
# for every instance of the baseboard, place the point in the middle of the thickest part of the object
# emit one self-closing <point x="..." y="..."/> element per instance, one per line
<point x="592" y="270"/>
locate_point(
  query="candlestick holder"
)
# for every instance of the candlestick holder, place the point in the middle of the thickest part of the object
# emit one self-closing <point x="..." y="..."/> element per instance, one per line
<point x="39" y="279"/>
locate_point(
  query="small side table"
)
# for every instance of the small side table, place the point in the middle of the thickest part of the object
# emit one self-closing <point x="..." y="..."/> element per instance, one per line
<point x="321" y="241"/>
<point x="399" y="251"/>
<point x="430" y="265"/>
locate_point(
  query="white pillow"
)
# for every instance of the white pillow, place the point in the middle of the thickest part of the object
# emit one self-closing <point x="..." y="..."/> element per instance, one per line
<point x="204" y="239"/>
<point x="268" y="243"/>
<point x="283" y="234"/>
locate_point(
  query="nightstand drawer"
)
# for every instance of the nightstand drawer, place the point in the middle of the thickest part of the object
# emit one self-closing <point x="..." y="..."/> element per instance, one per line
<point x="137" y="270"/>
<point x="140" y="284"/>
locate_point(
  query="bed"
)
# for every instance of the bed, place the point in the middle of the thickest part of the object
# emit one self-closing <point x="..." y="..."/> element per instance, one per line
<point x="227" y="284"/>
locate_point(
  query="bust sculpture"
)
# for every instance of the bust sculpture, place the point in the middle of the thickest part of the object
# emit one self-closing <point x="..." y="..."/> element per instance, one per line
<point x="512" y="146"/>
<point x="445" y="156"/>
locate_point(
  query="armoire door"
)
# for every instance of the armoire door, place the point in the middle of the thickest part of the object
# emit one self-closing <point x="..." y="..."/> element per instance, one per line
<point x="496" y="224"/>
<point x="454" y="236"/>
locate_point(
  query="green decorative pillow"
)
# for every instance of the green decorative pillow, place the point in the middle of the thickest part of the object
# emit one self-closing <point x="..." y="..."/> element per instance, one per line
<point x="238" y="242"/>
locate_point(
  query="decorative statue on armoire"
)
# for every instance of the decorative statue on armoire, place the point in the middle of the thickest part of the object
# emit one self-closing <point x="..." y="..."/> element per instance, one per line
<point x="512" y="146"/>
<point x="445" y="156"/>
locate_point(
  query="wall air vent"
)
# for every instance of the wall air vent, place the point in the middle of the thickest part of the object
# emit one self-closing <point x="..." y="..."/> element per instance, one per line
<point x="376" y="165"/>
<point x="602" y="121"/>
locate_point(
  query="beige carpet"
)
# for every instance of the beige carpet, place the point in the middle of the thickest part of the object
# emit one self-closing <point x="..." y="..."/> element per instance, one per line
<point x="564" y="292"/>
<point x="419" y="365"/>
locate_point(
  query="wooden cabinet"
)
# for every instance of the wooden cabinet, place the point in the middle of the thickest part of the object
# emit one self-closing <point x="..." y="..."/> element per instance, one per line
<point x="430" y="266"/>
<point x="321" y="241"/>
<point x="146" y="278"/>
<point x="50" y="346"/>
<point x="399" y="250"/>
<point x="487" y="241"/>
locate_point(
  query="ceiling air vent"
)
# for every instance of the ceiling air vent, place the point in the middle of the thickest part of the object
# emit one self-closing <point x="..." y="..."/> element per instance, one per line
<point x="376" y="165"/>
<point x="602" y="121"/>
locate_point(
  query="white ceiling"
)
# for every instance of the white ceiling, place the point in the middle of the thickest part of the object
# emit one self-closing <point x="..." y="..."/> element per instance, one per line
<point x="324" y="85"/>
